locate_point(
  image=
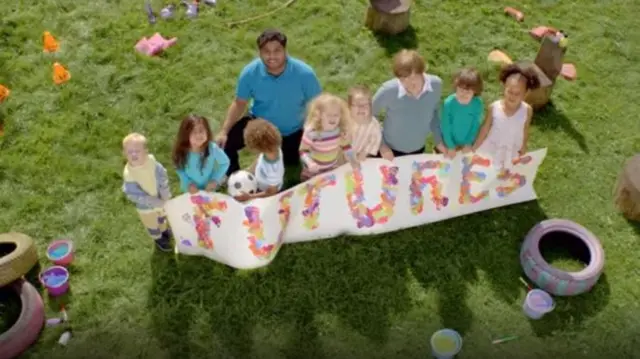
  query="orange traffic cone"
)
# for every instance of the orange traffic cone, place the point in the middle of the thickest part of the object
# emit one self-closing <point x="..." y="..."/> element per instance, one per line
<point x="4" y="93"/>
<point x="50" y="44"/>
<point x="60" y="74"/>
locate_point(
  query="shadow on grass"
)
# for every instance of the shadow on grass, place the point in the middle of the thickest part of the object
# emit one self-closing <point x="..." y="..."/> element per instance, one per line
<point x="570" y="312"/>
<point x="634" y="224"/>
<point x="362" y="282"/>
<point x="550" y="118"/>
<point x="393" y="43"/>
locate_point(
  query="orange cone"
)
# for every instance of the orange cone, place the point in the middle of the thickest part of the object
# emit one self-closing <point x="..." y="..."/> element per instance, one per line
<point x="4" y="93"/>
<point x="50" y="44"/>
<point x="60" y="74"/>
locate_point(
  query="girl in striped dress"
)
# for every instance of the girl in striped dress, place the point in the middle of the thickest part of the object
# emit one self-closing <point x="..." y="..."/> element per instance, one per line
<point x="326" y="136"/>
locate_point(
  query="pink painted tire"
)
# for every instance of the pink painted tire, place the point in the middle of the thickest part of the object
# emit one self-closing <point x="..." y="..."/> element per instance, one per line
<point x="27" y="328"/>
<point x="553" y="280"/>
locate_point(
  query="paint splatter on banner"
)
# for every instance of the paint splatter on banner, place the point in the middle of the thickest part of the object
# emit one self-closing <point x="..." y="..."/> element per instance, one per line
<point x="381" y="196"/>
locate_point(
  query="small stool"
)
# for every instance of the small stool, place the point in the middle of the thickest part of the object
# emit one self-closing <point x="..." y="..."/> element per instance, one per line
<point x="388" y="16"/>
<point x="627" y="191"/>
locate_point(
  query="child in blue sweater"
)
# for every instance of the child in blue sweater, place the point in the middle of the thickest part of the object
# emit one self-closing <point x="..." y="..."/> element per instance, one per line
<point x="462" y="112"/>
<point x="200" y="163"/>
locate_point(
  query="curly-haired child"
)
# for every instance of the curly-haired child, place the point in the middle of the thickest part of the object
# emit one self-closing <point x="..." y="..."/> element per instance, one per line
<point x="505" y="130"/>
<point x="146" y="184"/>
<point x="263" y="138"/>
<point x="462" y="112"/>
<point x="326" y="136"/>
<point x="200" y="163"/>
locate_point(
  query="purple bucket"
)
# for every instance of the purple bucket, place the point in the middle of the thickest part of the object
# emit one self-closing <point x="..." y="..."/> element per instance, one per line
<point x="56" y="280"/>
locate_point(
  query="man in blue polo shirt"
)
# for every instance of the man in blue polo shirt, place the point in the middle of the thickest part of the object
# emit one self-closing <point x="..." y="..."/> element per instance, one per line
<point x="280" y="87"/>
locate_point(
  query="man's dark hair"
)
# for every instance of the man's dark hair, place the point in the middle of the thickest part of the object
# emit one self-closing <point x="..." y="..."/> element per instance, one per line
<point x="271" y="35"/>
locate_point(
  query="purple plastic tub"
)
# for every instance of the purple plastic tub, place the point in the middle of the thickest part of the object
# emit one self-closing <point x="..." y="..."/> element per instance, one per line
<point x="56" y="280"/>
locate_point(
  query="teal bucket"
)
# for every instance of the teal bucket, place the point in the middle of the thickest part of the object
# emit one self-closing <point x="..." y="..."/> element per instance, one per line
<point x="446" y="344"/>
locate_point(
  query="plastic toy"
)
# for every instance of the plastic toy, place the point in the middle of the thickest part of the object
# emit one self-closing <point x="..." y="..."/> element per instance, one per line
<point x="50" y="44"/>
<point x="4" y="93"/>
<point x="60" y="74"/>
<point x="446" y="344"/>
<point x="168" y="11"/>
<point x="56" y="280"/>
<point x="60" y="252"/>
<point x="192" y="8"/>
<point x="537" y="303"/>
<point x="151" y="16"/>
<point x="241" y="182"/>
<point x="514" y="13"/>
<point x="154" y="45"/>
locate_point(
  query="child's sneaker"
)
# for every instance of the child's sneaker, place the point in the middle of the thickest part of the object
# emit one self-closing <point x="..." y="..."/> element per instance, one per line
<point x="164" y="242"/>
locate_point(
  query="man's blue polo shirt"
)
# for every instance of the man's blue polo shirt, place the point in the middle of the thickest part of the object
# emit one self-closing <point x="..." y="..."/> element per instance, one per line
<point x="282" y="99"/>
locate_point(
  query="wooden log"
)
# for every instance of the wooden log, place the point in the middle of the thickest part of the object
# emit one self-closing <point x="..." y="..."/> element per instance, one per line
<point x="388" y="16"/>
<point x="550" y="58"/>
<point x="539" y="97"/>
<point x="627" y="190"/>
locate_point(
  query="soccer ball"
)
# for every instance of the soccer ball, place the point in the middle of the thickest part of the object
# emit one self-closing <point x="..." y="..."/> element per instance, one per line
<point x="242" y="182"/>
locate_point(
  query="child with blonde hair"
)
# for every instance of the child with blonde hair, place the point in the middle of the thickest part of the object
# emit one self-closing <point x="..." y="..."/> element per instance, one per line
<point x="146" y="184"/>
<point x="326" y="136"/>
<point x="367" y="133"/>
<point x="263" y="138"/>
<point x="505" y="130"/>
<point x="462" y="112"/>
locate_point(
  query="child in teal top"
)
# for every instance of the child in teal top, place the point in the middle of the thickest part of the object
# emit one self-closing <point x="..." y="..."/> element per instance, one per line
<point x="462" y="112"/>
<point x="200" y="163"/>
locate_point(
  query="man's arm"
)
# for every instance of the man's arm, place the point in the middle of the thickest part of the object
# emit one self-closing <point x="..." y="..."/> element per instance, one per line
<point x="437" y="131"/>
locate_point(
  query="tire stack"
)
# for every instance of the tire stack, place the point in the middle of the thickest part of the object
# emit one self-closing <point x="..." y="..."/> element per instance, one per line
<point x="22" y="256"/>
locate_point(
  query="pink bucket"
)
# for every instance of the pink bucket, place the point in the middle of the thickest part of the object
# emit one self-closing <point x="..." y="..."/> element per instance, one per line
<point x="56" y="280"/>
<point x="60" y="252"/>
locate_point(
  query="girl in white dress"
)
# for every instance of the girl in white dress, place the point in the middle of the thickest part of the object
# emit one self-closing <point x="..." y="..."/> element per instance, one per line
<point x="505" y="130"/>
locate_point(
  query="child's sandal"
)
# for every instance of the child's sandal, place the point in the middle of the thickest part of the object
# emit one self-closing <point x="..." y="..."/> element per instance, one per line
<point x="168" y="11"/>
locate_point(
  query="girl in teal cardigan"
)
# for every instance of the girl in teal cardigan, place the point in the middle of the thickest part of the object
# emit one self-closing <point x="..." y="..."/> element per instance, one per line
<point x="462" y="112"/>
<point x="200" y="163"/>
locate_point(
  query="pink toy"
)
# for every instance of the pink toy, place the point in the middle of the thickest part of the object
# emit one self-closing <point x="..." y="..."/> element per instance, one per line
<point x="154" y="45"/>
<point x="60" y="252"/>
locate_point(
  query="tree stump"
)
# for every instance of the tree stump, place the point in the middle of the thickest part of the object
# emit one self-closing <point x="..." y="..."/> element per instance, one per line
<point x="539" y="97"/>
<point x="388" y="16"/>
<point x="548" y="65"/>
<point x="627" y="191"/>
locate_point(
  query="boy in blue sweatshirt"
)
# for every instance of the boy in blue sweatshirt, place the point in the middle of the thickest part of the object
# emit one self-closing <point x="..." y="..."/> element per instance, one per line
<point x="146" y="184"/>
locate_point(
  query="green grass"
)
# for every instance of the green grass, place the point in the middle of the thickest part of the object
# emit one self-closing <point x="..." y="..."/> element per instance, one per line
<point x="369" y="297"/>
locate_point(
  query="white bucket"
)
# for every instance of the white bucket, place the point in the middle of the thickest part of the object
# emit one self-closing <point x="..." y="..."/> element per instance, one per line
<point x="446" y="343"/>
<point x="537" y="304"/>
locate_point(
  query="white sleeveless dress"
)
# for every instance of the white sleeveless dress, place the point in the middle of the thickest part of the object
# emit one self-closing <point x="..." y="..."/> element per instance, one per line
<point x="505" y="136"/>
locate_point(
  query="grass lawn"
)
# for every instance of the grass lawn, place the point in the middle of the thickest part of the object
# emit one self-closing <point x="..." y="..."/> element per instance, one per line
<point x="369" y="297"/>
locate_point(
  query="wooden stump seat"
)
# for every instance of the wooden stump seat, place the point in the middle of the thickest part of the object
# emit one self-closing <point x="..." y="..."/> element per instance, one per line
<point x="548" y="65"/>
<point x="388" y="16"/>
<point x="627" y="191"/>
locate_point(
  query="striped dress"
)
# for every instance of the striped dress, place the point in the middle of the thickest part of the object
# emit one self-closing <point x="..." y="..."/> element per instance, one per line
<point x="323" y="148"/>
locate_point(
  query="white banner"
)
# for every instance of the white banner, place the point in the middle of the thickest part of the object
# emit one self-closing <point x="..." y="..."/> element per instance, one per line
<point x="382" y="197"/>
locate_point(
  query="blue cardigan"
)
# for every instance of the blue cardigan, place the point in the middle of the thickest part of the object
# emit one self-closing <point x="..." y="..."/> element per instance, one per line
<point x="214" y="169"/>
